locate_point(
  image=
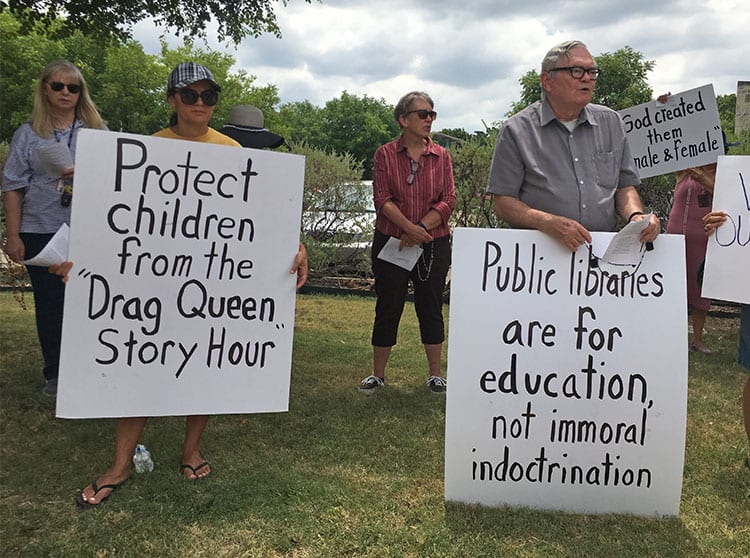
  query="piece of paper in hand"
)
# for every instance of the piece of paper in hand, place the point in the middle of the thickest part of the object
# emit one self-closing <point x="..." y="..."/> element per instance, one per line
<point x="625" y="246"/>
<point x="405" y="258"/>
<point x="56" y="250"/>
<point x="55" y="158"/>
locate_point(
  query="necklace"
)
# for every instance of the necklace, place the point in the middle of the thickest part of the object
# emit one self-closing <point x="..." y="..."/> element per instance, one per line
<point x="426" y="264"/>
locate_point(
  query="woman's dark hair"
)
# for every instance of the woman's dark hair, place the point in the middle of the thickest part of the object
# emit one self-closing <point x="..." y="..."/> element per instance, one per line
<point x="404" y="104"/>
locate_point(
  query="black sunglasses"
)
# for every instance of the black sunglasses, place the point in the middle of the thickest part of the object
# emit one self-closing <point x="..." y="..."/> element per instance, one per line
<point x="413" y="173"/>
<point x="423" y="114"/>
<point x="59" y="86"/>
<point x="190" y="96"/>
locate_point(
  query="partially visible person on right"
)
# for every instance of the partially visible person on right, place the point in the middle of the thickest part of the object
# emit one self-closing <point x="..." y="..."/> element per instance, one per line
<point x="711" y="222"/>
<point x="693" y="194"/>
<point x="693" y="197"/>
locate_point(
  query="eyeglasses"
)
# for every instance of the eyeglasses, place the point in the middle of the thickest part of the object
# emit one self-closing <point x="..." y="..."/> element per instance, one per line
<point x="413" y="173"/>
<point x="58" y="86"/>
<point x="423" y="114"/>
<point x="190" y="96"/>
<point x="599" y="261"/>
<point x="578" y="71"/>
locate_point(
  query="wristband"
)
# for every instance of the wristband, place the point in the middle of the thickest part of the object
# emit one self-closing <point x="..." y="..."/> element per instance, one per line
<point x="421" y="224"/>
<point x="634" y="214"/>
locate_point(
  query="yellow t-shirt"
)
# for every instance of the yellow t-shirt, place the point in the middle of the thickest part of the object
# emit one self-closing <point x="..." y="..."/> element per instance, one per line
<point x="211" y="136"/>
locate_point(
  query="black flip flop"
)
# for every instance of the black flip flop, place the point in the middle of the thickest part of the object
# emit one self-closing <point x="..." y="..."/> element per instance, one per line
<point x="194" y="470"/>
<point x="83" y="504"/>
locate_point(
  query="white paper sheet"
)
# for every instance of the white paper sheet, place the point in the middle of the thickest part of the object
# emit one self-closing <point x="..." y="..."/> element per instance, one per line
<point x="55" y="158"/>
<point x="406" y="257"/>
<point x="625" y="247"/>
<point x="56" y="250"/>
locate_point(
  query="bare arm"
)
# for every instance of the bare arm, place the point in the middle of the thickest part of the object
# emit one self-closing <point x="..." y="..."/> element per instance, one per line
<point x="13" y="203"/>
<point x="413" y="234"/>
<point x="517" y="214"/>
<point x="628" y="203"/>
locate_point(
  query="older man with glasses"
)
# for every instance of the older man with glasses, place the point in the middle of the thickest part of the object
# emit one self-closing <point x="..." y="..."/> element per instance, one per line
<point x="563" y="165"/>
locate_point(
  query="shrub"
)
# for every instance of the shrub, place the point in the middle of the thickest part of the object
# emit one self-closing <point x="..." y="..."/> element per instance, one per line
<point x="471" y="169"/>
<point x="337" y="215"/>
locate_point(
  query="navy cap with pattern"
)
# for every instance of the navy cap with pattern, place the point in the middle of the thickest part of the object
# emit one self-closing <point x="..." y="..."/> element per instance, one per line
<point x="187" y="73"/>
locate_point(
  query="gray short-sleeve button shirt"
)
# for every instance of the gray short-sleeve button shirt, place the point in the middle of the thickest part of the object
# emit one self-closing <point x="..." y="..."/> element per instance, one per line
<point x="573" y="174"/>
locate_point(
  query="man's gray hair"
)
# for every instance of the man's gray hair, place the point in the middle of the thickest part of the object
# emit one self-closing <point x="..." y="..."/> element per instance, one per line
<point x="404" y="103"/>
<point x="552" y="58"/>
<point x="554" y="54"/>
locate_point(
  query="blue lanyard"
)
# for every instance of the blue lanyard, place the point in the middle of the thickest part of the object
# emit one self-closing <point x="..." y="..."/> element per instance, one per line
<point x="70" y="137"/>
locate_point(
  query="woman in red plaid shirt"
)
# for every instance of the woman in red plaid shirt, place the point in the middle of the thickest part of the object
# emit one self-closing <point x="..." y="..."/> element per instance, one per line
<point x="414" y="197"/>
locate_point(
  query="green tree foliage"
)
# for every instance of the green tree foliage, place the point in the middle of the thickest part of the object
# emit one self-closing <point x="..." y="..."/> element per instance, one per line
<point x="531" y="91"/>
<point x="236" y="19"/>
<point x="622" y="83"/>
<point x="128" y="85"/>
<point x="727" y="105"/>
<point x="131" y="87"/>
<point x="457" y="133"/>
<point x="357" y="125"/>
<point x="727" y="110"/>
<point x="299" y="122"/>
<point x="471" y="167"/>
<point x="347" y="124"/>
<point x="24" y="55"/>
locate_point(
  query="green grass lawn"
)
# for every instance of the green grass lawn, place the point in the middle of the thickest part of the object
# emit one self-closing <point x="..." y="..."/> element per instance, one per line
<point x="340" y="474"/>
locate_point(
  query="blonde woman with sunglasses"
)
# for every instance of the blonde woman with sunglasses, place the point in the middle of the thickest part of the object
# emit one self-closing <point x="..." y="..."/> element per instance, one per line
<point x="37" y="202"/>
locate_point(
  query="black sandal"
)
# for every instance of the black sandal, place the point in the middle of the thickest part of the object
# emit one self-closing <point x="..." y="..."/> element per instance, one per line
<point x="194" y="470"/>
<point x="82" y="503"/>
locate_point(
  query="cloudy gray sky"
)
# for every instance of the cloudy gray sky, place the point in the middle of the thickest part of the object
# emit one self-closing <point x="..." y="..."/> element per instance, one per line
<point x="470" y="54"/>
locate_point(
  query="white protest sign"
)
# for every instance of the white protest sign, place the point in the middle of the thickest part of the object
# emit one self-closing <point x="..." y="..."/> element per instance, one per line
<point x="180" y="300"/>
<point x="683" y="132"/>
<point x="727" y="270"/>
<point x="568" y="383"/>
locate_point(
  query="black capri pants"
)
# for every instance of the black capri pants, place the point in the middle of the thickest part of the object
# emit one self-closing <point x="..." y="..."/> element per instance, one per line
<point x="391" y="287"/>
